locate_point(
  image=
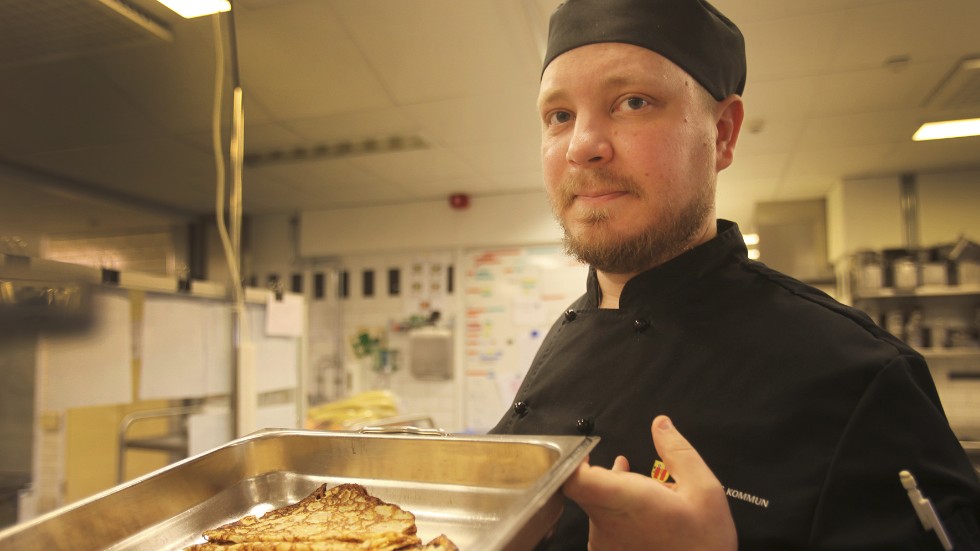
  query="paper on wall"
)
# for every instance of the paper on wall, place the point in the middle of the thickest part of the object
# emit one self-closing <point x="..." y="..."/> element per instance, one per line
<point x="207" y="430"/>
<point x="276" y="358"/>
<point x="284" y="316"/>
<point x="93" y="368"/>
<point x="186" y="348"/>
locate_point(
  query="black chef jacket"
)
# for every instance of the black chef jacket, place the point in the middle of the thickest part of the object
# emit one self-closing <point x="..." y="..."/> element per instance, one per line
<point x="804" y="409"/>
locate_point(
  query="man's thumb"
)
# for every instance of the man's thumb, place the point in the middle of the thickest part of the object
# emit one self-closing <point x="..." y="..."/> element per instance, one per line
<point x="682" y="460"/>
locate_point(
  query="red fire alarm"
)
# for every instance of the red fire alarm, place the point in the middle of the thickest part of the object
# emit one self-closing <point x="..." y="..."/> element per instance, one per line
<point x="459" y="201"/>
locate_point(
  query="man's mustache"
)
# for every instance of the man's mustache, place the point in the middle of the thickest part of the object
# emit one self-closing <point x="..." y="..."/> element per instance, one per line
<point x="603" y="180"/>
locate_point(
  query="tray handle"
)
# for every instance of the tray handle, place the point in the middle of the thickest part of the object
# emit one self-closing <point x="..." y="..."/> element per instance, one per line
<point x="403" y="430"/>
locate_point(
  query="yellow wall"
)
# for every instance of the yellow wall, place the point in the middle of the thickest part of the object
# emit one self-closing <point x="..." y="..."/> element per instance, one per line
<point x="92" y="447"/>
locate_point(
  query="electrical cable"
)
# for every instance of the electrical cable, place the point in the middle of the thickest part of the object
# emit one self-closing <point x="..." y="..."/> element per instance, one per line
<point x="243" y="392"/>
<point x="230" y="253"/>
<point x="237" y="139"/>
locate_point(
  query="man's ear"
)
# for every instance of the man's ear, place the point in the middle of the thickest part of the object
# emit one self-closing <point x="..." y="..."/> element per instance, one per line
<point x="729" y="115"/>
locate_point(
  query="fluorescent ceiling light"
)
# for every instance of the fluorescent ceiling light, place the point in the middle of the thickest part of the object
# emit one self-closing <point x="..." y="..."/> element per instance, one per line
<point x="197" y="8"/>
<point x="947" y="129"/>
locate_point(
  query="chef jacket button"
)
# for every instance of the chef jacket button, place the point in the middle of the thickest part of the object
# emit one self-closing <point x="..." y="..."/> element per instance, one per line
<point x="570" y="314"/>
<point x="520" y="408"/>
<point x="641" y="325"/>
<point x="585" y="425"/>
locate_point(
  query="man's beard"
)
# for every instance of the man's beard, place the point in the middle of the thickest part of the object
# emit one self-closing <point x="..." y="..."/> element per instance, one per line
<point x="661" y="240"/>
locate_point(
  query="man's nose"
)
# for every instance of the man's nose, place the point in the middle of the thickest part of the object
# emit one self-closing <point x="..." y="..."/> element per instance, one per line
<point x="590" y="145"/>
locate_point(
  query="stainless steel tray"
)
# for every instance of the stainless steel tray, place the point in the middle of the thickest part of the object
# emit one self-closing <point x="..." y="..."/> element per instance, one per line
<point x="484" y="492"/>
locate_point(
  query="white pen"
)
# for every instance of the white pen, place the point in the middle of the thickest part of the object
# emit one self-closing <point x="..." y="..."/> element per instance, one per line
<point x="924" y="509"/>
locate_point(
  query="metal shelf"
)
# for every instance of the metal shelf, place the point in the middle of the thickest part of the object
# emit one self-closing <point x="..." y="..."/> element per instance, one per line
<point x="174" y="443"/>
<point x="922" y="291"/>
<point x="962" y="352"/>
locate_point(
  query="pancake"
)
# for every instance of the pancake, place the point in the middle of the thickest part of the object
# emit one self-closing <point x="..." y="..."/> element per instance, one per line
<point x="341" y="518"/>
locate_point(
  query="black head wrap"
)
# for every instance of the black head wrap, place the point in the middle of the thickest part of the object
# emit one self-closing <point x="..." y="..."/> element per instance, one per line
<point x="691" y="33"/>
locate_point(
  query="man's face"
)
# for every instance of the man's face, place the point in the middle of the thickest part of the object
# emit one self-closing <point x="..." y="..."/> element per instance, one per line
<point x="629" y="154"/>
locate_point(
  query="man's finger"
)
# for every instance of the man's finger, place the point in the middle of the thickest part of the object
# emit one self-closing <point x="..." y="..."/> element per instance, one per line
<point x="684" y="462"/>
<point x="598" y="486"/>
<point x="588" y="485"/>
<point x="621" y="464"/>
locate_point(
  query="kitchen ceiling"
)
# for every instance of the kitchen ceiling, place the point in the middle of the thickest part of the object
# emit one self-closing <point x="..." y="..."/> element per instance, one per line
<point x="364" y="102"/>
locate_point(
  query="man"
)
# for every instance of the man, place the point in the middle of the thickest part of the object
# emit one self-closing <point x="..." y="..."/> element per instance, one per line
<point x="803" y="409"/>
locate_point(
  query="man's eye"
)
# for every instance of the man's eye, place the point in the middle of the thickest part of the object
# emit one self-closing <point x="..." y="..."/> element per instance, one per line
<point x="559" y="117"/>
<point x="632" y="104"/>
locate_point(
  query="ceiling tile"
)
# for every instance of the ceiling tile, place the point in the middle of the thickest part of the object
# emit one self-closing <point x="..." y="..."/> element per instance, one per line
<point x="381" y="122"/>
<point x="518" y="154"/>
<point x="467" y="47"/>
<point x="780" y="97"/>
<point x="300" y="63"/>
<point x="924" y="30"/>
<point x="517" y="181"/>
<point x="66" y="105"/>
<point x="790" y="47"/>
<point x="749" y="168"/>
<point x="812" y="171"/>
<point x="415" y="169"/>
<point x="172" y="82"/>
<point x="864" y="128"/>
<point x="324" y="183"/>
<point x="768" y="136"/>
<point x="45" y="30"/>
<point x="479" y="118"/>
<point x="877" y="89"/>
<point x="259" y="138"/>
<point x="319" y="172"/>
<point x="769" y="10"/>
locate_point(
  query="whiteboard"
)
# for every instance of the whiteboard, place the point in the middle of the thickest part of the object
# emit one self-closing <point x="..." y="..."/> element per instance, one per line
<point x="92" y="368"/>
<point x="186" y="349"/>
<point x="511" y="297"/>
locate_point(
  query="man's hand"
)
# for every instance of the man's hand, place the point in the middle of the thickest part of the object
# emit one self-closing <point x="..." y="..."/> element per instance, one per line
<point x="630" y="511"/>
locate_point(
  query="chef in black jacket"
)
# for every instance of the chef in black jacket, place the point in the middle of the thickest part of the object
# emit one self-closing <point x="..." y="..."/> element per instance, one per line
<point x="804" y="410"/>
